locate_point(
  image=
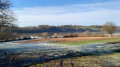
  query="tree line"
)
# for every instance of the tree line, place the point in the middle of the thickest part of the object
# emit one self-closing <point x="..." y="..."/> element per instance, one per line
<point x="57" y="29"/>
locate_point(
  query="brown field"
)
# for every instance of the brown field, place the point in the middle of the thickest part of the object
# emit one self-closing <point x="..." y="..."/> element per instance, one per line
<point x="74" y="39"/>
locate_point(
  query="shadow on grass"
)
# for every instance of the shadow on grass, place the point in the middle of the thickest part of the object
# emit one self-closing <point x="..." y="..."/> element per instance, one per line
<point x="9" y="60"/>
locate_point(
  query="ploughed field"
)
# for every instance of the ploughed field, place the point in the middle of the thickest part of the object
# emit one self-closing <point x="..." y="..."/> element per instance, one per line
<point x="25" y="53"/>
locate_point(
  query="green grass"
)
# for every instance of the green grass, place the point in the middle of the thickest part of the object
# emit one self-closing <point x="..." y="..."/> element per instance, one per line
<point x="88" y="42"/>
<point x="106" y="60"/>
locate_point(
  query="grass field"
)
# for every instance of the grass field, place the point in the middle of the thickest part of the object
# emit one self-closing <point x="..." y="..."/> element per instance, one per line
<point x="88" y="41"/>
<point x="108" y="60"/>
<point x="76" y="40"/>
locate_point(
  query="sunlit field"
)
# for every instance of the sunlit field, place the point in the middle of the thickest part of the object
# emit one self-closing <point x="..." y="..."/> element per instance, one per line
<point x="107" y="60"/>
<point x="76" y="40"/>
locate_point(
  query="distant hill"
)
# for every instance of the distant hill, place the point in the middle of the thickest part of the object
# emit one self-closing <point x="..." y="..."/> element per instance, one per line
<point x="58" y="29"/>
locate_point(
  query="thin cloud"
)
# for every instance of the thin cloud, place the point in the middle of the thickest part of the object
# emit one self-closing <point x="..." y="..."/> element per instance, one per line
<point x="85" y="14"/>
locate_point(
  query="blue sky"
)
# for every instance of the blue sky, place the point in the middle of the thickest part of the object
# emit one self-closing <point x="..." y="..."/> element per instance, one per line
<point x="62" y="12"/>
<point x="36" y="3"/>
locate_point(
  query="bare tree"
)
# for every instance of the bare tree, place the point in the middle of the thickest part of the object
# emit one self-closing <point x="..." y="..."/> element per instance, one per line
<point x="45" y="34"/>
<point x="109" y="27"/>
<point x="55" y="35"/>
<point x="6" y="14"/>
<point x="86" y="33"/>
<point x="7" y="20"/>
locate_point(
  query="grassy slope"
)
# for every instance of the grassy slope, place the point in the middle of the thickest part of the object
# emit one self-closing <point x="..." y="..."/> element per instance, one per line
<point x="85" y="61"/>
<point x="88" y="42"/>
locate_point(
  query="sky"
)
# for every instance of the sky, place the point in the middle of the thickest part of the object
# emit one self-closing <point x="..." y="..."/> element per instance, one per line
<point x="66" y="12"/>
